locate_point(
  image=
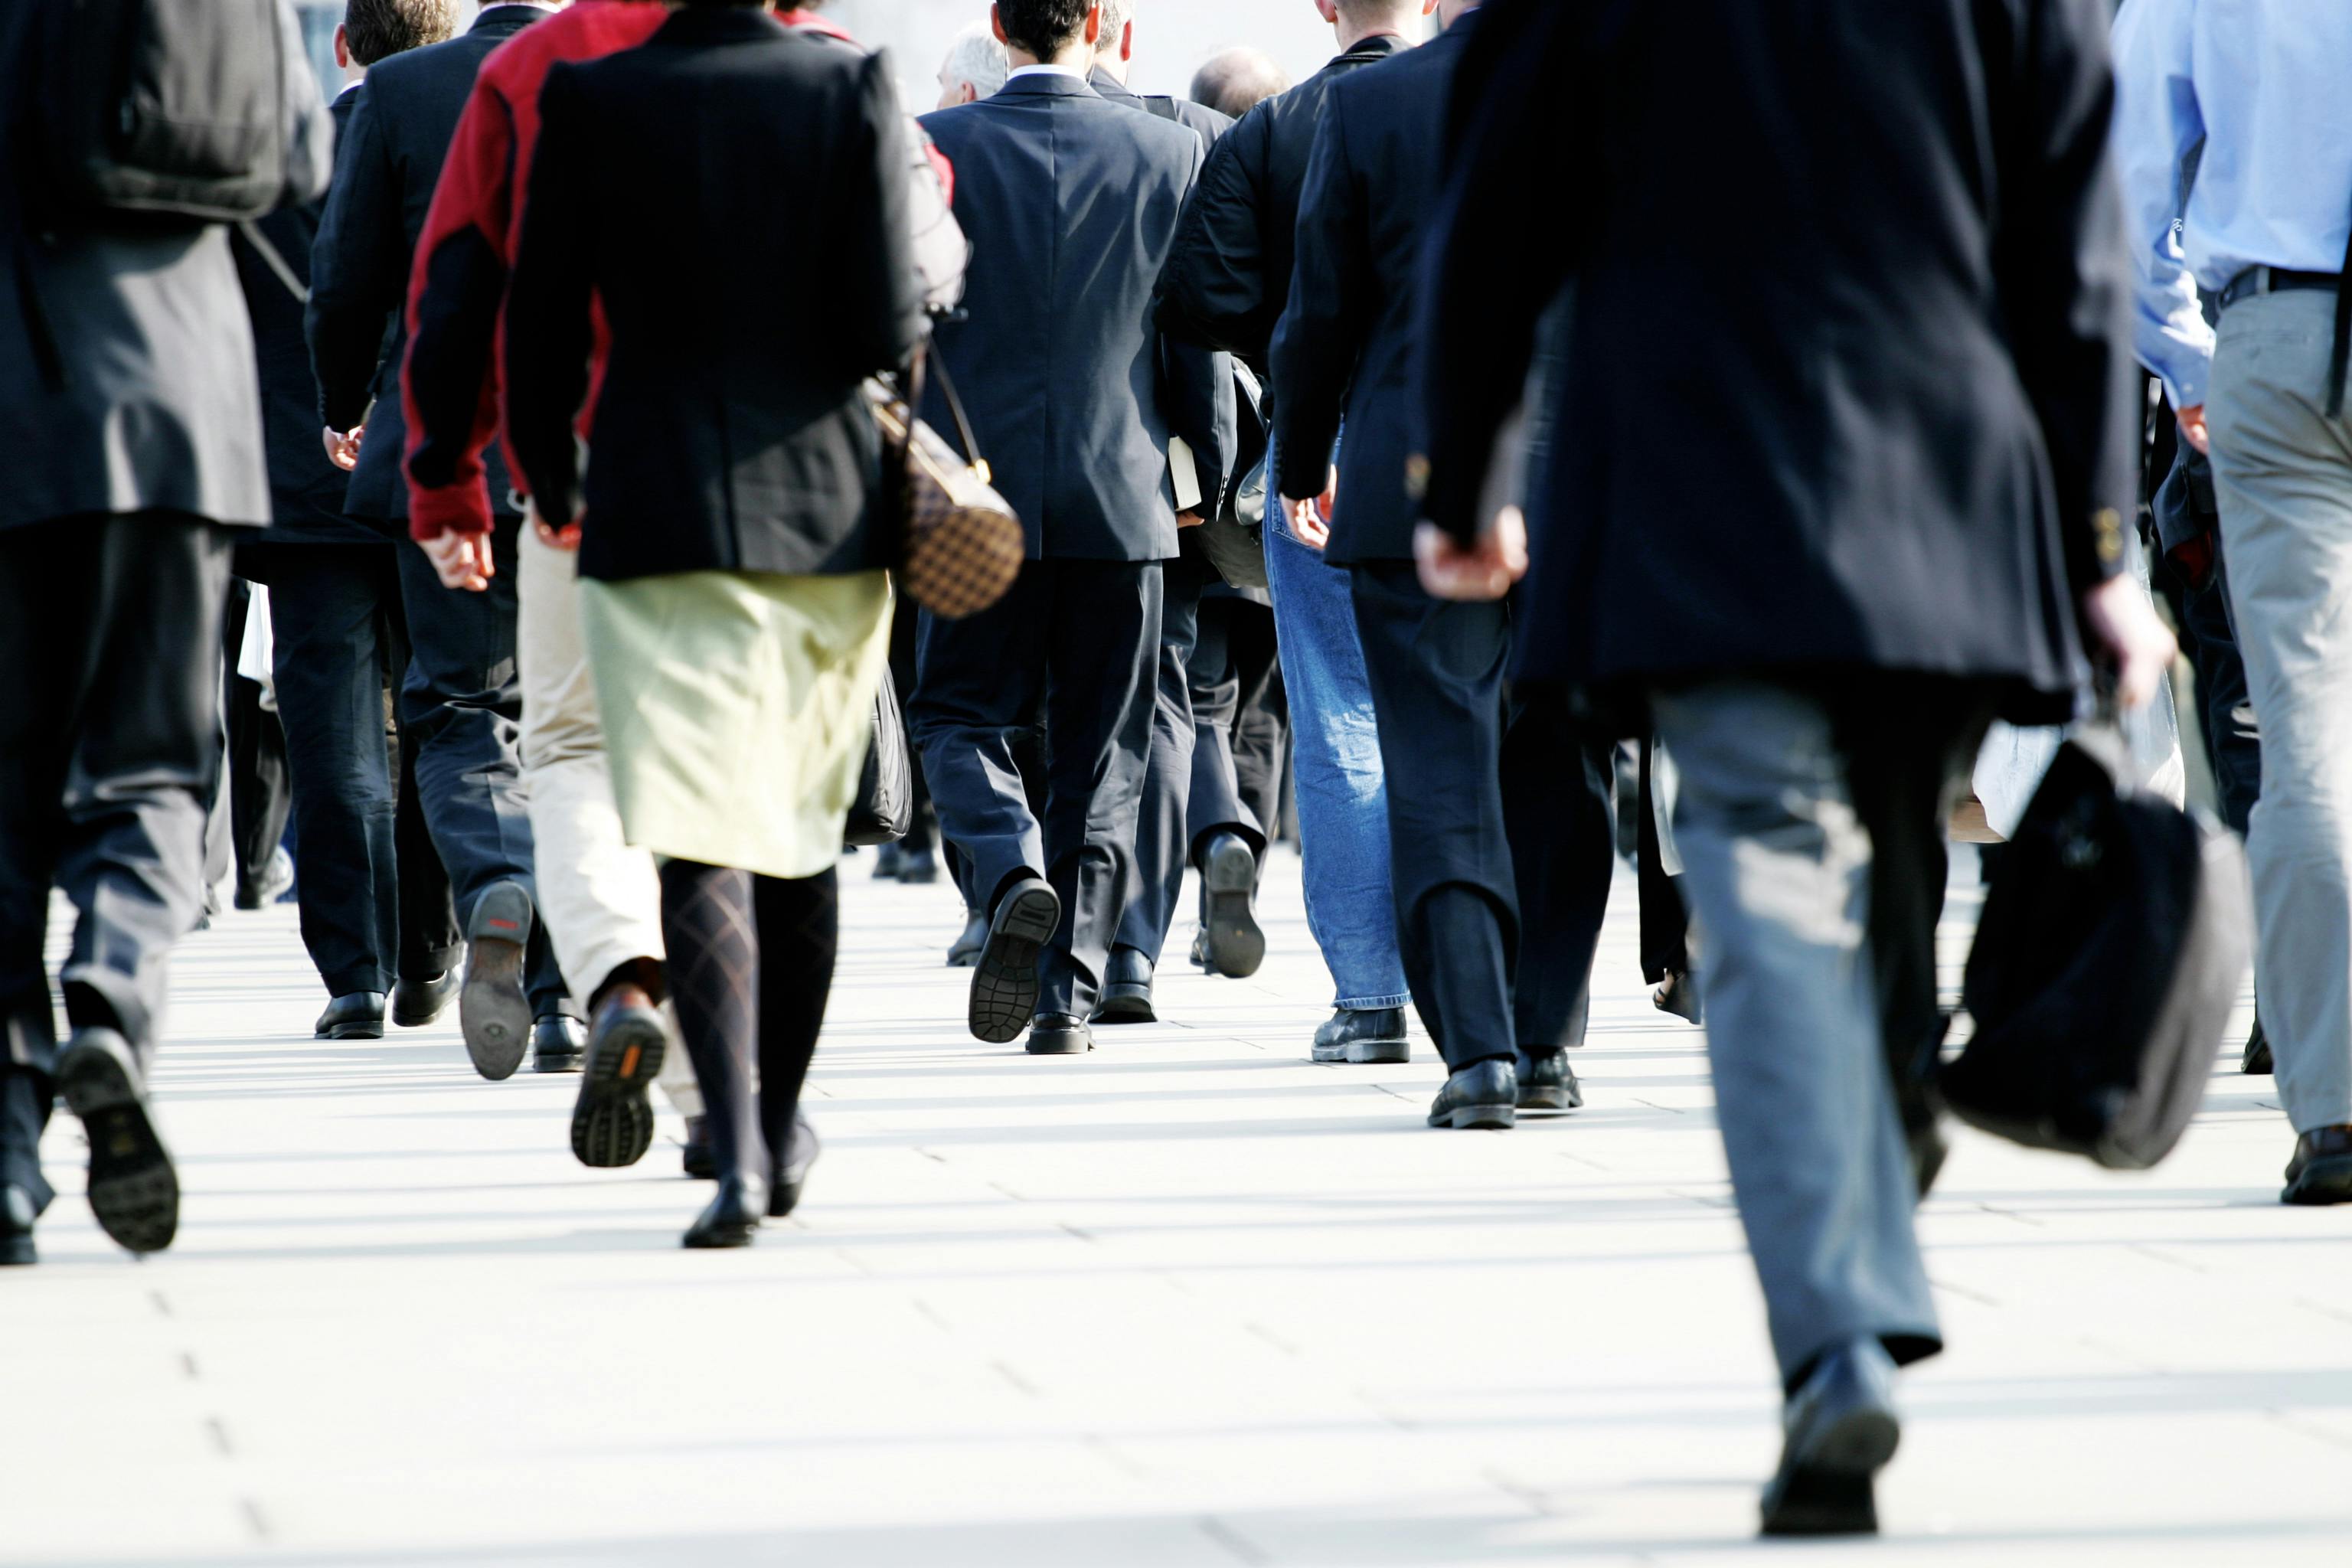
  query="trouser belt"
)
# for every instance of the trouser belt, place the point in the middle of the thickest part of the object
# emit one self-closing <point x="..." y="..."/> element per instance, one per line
<point x="2256" y="280"/>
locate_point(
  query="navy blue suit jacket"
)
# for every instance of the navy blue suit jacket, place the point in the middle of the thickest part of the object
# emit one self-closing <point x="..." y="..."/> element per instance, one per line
<point x="1071" y="204"/>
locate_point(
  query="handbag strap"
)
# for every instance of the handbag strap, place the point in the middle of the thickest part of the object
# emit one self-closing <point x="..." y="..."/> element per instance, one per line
<point x="962" y="423"/>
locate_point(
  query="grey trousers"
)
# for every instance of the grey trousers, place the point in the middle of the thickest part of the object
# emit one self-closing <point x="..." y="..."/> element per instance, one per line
<point x="2282" y="475"/>
<point x="1810" y="829"/>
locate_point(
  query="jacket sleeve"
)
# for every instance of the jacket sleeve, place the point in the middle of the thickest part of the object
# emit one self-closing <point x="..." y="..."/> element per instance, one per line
<point x="1332" y="295"/>
<point x="1483" y="286"/>
<point x="1200" y="403"/>
<point x="358" y="269"/>
<point x="2063" y="266"/>
<point x="549" y="336"/>
<point x="878" y="311"/>
<point x="1214" y="289"/>
<point x="310" y="130"/>
<point x="455" y="292"/>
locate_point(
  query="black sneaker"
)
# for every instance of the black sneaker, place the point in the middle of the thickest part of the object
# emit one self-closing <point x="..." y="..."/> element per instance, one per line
<point x="133" y="1190"/>
<point x="1005" y="984"/>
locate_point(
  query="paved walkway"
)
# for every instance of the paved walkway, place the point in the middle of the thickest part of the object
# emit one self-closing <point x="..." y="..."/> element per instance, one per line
<point x="1190" y="1300"/>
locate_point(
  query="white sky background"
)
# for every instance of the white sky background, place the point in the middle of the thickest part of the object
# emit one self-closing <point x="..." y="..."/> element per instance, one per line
<point x="1171" y="36"/>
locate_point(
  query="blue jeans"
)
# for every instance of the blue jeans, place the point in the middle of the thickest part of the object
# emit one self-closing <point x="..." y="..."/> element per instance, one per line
<point x="1343" y="822"/>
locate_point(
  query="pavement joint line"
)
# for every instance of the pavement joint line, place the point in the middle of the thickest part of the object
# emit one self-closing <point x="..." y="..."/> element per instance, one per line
<point x="1231" y="1540"/>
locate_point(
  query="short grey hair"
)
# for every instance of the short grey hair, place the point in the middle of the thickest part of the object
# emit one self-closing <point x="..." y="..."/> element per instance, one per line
<point x="978" y="58"/>
<point x="1115" y="14"/>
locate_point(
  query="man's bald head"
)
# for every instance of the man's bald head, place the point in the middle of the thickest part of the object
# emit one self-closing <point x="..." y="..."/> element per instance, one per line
<point x="1237" y="81"/>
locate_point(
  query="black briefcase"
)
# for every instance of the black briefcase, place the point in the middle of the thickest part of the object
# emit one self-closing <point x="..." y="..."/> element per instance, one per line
<point x="2114" y="939"/>
<point x="885" y="807"/>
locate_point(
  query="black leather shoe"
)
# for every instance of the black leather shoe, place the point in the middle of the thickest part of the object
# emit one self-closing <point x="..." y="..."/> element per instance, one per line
<point x="277" y="881"/>
<point x="1127" y="990"/>
<point x="357" y="1017"/>
<point x="2321" y="1171"/>
<point x="491" y="1008"/>
<point x="886" y="862"/>
<point x="1483" y="1095"/>
<point x="695" y="1156"/>
<point x="1235" y="945"/>
<point x="1547" y="1082"/>
<point x="1841" y="1431"/>
<point x="918" y="867"/>
<point x="964" y="951"/>
<point x="1005" y="984"/>
<point x="18" y="1214"/>
<point x="416" y="1003"/>
<point x="1362" y="1034"/>
<point x="2257" y="1062"/>
<point x="612" y="1121"/>
<point x="1059" y="1035"/>
<point x="733" y="1214"/>
<point x="1679" y="995"/>
<point x="1200" y="954"/>
<point x="792" y="1173"/>
<point x="133" y="1190"/>
<point x="559" y="1043"/>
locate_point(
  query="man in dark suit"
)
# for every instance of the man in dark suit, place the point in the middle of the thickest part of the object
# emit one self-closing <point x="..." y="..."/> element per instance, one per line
<point x="132" y="427"/>
<point x="1070" y="204"/>
<point x="462" y="697"/>
<point x="1772" y="477"/>
<point x="1460" y="858"/>
<point x="375" y="910"/>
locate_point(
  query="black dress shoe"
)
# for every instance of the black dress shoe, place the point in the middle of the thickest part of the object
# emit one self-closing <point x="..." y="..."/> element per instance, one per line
<point x="695" y="1157"/>
<point x="1005" y="984"/>
<point x="2321" y="1171"/>
<point x="1127" y="990"/>
<point x="1235" y="945"/>
<point x="1483" y="1095"/>
<point x="886" y="861"/>
<point x="416" y="1003"/>
<point x="2257" y="1062"/>
<point x="1679" y="995"/>
<point x="1547" y="1082"/>
<point x="964" y="951"/>
<point x="277" y="881"/>
<point x="559" y="1043"/>
<point x="133" y="1190"/>
<point x="1362" y="1034"/>
<point x="491" y="1008"/>
<point x="918" y="867"/>
<point x="733" y="1214"/>
<point x="1060" y="1034"/>
<point x="791" y="1172"/>
<point x="1841" y="1431"/>
<point x="612" y="1121"/>
<point x="1200" y="954"/>
<point x="17" y="1213"/>
<point x="357" y="1017"/>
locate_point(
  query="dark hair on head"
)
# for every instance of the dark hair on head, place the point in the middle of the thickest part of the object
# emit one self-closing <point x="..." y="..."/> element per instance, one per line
<point x="377" y="30"/>
<point x="1043" y="27"/>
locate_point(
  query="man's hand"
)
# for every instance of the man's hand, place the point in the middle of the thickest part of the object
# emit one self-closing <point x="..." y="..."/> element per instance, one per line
<point x="463" y="560"/>
<point x="1309" y="523"/>
<point x="2192" y="428"/>
<point x="343" y="447"/>
<point x="2138" y="643"/>
<point x="1485" y="570"/>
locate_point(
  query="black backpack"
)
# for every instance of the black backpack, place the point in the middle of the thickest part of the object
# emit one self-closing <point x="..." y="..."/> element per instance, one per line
<point x="170" y="111"/>
<point x="2114" y="941"/>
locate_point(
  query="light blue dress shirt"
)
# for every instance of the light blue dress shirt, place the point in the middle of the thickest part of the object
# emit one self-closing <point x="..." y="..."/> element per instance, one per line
<point x="2268" y="86"/>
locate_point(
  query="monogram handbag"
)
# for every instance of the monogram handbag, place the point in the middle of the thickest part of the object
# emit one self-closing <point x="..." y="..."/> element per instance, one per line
<point x="959" y="544"/>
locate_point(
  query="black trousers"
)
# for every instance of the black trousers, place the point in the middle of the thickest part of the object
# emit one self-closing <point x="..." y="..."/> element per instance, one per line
<point x="1079" y="641"/>
<point x="923" y="824"/>
<point x="260" y="793"/>
<point x="1665" y="919"/>
<point x="1240" y="725"/>
<point x="2233" y="739"/>
<point x="1502" y="836"/>
<point x="375" y="900"/>
<point x="110" y="741"/>
<point x="462" y="703"/>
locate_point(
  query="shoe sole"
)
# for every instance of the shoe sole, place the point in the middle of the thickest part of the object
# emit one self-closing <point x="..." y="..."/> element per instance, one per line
<point x="613" y="1121"/>
<point x="2258" y="1063"/>
<point x="18" y="1252"/>
<point x="559" y="1061"/>
<point x="2323" y="1182"/>
<point x="1125" y="1010"/>
<point x="1368" y="1053"/>
<point x="1059" y="1044"/>
<point x="717" y="1239"/>
<point x="1478" y="1118"/>
<point x="1562" y="1099"/>
<point x="1831" y="1492"/>
<point x="1004" y="980"/>
<point x="353" y="1032"/>
<point x="1236" y="945"/>
<point x="133" y="1191"/>
<point x="493" y="1011"/>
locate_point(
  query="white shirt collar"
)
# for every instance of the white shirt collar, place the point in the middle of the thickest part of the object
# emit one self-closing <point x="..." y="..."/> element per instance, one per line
<point x="1071" y="71"/>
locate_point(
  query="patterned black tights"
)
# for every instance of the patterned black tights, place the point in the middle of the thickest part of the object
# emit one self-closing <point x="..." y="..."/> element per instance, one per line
<point x="750" y="966"/>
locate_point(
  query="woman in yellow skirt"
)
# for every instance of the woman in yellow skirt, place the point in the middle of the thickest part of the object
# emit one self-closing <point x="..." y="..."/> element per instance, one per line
<point x="734" y="200"/>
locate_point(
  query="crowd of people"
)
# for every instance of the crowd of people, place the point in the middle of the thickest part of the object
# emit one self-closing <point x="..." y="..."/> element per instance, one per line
<point x="494" y="464"/>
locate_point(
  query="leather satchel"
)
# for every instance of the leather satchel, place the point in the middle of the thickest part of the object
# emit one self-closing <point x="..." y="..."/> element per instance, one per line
<point x="959" y="545"/>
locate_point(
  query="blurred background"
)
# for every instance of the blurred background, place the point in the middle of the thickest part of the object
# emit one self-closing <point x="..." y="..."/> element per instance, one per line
<point x="1172" y="36"/>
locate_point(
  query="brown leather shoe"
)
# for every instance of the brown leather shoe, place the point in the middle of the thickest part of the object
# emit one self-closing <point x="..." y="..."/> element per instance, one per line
<point x="2321" y="1171"/>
